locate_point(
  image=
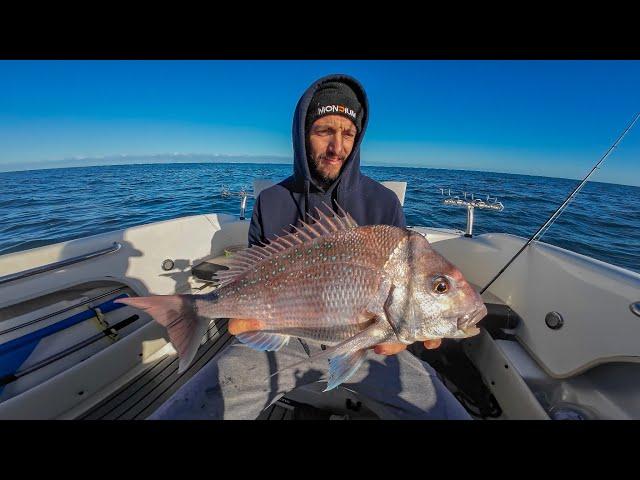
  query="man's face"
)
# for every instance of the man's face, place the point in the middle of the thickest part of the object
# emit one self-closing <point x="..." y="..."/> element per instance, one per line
<point x="331" y="140"/>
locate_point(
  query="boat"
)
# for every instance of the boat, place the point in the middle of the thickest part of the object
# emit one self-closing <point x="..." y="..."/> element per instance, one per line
<point x="560" y="340"/>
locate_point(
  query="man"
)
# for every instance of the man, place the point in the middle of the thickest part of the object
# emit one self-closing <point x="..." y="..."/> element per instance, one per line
<point x="328" y="127"/>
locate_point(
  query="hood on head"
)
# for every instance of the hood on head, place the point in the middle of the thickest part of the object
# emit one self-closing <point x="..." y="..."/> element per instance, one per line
<point x="350" y="175"/>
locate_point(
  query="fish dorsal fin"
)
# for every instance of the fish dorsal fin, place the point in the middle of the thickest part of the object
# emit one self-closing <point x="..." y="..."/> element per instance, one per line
<point x="321" y="226"/>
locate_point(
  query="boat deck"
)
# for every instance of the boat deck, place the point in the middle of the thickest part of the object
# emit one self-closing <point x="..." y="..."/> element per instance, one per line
<point x="142" y="396"/>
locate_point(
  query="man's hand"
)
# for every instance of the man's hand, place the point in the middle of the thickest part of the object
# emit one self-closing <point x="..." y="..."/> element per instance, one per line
<point x="240" y="325"/>
<point x="393" y="348"/>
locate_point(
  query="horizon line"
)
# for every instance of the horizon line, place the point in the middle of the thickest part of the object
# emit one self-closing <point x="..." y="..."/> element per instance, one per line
<point x="289" y="161"/>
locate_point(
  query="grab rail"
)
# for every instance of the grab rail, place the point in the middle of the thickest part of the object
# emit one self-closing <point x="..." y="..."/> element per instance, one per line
<point x="62" y="263"/>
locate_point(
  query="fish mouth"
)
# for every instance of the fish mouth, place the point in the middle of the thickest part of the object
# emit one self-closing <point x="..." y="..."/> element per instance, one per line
<point x="466" y="323"/>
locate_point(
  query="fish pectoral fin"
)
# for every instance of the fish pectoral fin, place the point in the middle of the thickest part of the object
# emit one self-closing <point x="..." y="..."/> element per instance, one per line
<point x="342" y="367"/>
<point x="263" y="341"/>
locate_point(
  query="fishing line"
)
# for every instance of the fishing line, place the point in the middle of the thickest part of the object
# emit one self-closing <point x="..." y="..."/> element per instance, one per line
<point x="562" y="207"/>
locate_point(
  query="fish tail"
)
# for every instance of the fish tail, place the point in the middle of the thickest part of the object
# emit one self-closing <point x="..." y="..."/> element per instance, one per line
<point x="178" y="314"/>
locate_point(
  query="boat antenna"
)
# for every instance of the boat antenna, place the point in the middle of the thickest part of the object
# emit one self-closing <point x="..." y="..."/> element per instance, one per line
<point x="561" y="208"/>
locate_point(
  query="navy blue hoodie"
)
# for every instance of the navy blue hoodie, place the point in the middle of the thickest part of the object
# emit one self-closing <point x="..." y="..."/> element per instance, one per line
<point x="368" y="202"/>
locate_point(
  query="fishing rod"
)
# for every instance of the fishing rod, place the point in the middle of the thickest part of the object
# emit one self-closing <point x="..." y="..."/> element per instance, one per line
<point x="561" y="208"/>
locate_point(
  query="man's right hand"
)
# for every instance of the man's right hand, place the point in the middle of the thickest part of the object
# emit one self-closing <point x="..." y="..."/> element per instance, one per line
<point x="241" y="325"/>
<point x="393" y="348"/>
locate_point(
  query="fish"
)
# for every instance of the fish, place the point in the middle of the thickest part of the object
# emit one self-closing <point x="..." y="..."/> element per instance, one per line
<point x="332" y="282"/>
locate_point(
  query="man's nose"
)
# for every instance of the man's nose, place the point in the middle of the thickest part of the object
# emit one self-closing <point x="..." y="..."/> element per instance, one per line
<point x="335" y="145"/>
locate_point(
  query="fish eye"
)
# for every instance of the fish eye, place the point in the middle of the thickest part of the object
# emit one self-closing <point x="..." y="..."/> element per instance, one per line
<point x="440" y="285"/>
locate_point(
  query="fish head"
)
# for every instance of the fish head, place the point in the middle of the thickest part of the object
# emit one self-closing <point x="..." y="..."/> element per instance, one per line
<point x="442" y="304"/>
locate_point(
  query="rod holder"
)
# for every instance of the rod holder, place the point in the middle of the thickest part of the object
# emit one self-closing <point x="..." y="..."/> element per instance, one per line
<point x="470" y="201"/>
<point x="242" y="193"/>
<point x="469" y="232"/>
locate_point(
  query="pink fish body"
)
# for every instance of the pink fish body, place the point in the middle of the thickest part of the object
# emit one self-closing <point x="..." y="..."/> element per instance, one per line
<point x="333" y="282"/>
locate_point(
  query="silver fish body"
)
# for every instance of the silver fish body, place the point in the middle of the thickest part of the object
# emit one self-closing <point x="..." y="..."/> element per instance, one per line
<point x="323" y="289"/>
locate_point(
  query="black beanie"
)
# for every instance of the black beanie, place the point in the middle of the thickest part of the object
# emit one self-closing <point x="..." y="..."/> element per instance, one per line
<point x="335" y="98"/>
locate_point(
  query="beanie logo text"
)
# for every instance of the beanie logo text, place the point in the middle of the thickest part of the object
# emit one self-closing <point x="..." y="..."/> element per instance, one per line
<point x="337" y="109"/>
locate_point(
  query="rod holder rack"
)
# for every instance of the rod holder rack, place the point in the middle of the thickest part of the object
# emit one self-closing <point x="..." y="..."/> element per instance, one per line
<point x="469" y="200"/>
<point x="243" y="193"/>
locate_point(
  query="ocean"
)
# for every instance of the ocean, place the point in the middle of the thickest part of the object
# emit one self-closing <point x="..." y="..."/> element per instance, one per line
<point x="41" y="207"/>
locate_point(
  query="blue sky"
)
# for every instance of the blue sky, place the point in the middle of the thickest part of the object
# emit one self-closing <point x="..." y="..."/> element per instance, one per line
<point x="551" y="118"/>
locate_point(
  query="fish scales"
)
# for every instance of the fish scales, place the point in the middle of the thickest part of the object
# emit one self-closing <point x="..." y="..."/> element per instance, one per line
<point x="315" y="289"/>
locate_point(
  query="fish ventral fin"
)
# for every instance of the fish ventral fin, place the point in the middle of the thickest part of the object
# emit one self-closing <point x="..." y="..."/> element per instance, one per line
<point x="346" y="357"/>
<point x="322" y="225"/>
<point x="342" y="367"/>
<point x="263" y="341"/>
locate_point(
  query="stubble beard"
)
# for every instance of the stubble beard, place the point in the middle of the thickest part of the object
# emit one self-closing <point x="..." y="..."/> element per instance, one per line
<point x="323" y="178"/>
